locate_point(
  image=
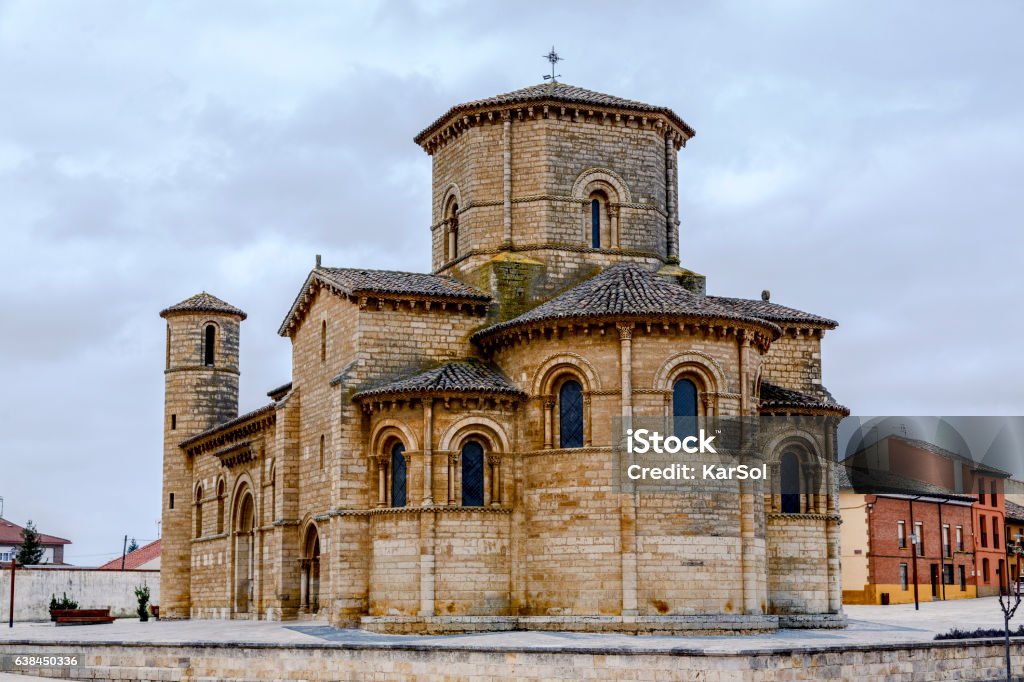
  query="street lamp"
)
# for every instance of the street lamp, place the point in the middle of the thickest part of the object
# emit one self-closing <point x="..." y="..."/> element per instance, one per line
<point x="915" y="540"/>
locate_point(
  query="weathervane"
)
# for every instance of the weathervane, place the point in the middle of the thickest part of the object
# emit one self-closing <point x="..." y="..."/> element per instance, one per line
<point x="554" y="59"/>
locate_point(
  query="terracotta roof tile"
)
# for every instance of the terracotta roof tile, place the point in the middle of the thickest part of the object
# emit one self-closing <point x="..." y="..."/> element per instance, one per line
<point x="627" y="290"/>
<point x="949" y="454"/>
<point x="774" y="396"/>
<point x="132" y="560"/>
<point x="358" y="281"/>
<point x="203" y="303"/>
<point x="460" y="376"/>
<point x="10" y="533"/>
<point x="355" y="281"/>
<point x="774" y="312"/>
<point x="877" y="482"/>
<point x="1014" y="511"/>
<point x="555" y="92"/>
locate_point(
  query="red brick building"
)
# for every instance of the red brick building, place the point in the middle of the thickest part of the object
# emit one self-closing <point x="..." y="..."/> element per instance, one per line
<point x="926" y="462"/>
<point x="880" y="557"/>
<point x="925" y="466"/>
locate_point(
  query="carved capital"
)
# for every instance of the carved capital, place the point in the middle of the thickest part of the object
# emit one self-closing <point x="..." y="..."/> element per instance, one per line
<point x="625" y="330"/>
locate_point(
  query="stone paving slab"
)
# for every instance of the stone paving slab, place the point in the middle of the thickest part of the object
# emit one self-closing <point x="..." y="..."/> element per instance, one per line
<point x="873" y="626"/>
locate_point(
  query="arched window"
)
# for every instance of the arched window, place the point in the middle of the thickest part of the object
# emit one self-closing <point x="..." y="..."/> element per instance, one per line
<point x="199" y="512"/>
<point x="570" y="415"/>
<point x="209" y="344"/>
<point x="451" y="221"/>
<point x="789" y="481"/>
<point x="323" y="340"/>
<point x="220" y="507"/>
<point x="472" y="474"/>
<point x="398" y="475"/>
<point x="684" y="407"/>
<point x="595" y="223"/>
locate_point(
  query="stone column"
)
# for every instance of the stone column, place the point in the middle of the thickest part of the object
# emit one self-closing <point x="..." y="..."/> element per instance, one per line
<point x="428" y="528"/>
<point x="506" y="184"/>
<point x="750" y="562"/>
<point x="626" y="366"/>
<point x="835" y="587"/>
<point x="549" y="407"/>
<point x="743" y="339"/>
<point x="628" y="504"/>
<point x="428" y="452"/>
<point x="494" y="463"/>
<point x="453" y="460"/>
<point x="304" y="585"/>
<point x="671" y="217"/>
<point x="382" y="483"/>
<point x="616" y="239"/>
<point x="588" y="430"/>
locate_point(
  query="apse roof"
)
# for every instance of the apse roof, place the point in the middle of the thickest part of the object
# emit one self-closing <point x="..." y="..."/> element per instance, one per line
<point x="628" y="290"/>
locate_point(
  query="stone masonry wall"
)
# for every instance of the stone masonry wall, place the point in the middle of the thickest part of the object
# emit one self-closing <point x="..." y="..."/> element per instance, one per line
<point x="969" y="661"/>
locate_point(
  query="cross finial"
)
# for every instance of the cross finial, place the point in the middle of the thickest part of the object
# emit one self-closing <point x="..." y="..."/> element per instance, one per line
<point x="554" y="59"/>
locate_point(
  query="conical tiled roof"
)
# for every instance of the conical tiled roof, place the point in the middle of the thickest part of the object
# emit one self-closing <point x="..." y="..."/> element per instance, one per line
<point x="627" y="290"/>
<point x="460" y="376"/>
<point x="203" y="303"/>
<point x="555" y="92"/>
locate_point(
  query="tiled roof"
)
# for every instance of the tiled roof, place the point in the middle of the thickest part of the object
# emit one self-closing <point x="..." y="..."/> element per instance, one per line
<point x="355" y="281"/>
<point x="773" y="396"/>
<point x="460" y="376"/>
<point x="876" y="482"/>
<point x="279" y="392"/>
<point x="266" y="409"/>
<point x="774" y="312"/>
<point x="203" y="303"/>
<point x="555" y="92"/>
<point x="1014" y="512"/>
<point x="949" y="454"/>
<point x="10" y="534"/>
<point x="133" y="560"/>
<point x="628" y="290"/>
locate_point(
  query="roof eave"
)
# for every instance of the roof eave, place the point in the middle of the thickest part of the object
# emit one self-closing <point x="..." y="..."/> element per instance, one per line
<point x="371" y="395"/>
<point x="498" y="330"/>
<point x="446" y="119"/>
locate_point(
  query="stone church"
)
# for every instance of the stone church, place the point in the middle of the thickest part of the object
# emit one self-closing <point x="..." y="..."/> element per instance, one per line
<point x="441" y="460"/>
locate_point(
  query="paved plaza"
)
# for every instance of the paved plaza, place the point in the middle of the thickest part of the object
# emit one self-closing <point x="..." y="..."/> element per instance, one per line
<point x="894" y="624"/>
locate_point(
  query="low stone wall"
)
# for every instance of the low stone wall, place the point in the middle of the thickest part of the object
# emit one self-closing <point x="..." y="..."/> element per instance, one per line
<point x="971" y="660"/>
<point x="92" y="589"/>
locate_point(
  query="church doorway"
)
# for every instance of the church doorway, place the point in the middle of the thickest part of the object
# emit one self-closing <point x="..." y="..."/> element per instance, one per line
<point x="310" y="588"/>
<point x="244" y="555"/>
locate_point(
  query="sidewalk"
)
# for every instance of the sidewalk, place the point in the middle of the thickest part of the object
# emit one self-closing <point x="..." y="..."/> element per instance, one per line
<point x="869" y="625"/>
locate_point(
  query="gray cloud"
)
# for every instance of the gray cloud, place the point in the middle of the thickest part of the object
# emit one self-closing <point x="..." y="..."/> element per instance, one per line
<point x="861" y="161"/>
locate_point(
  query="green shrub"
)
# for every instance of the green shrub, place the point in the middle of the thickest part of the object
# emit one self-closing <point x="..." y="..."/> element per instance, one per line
<point x="142" y="594"/>
<point x="65" y="602"/>
<point x="980" y="633"/>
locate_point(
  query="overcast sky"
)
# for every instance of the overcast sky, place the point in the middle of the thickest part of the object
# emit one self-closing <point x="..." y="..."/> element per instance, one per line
<point x="861" y="160"/>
